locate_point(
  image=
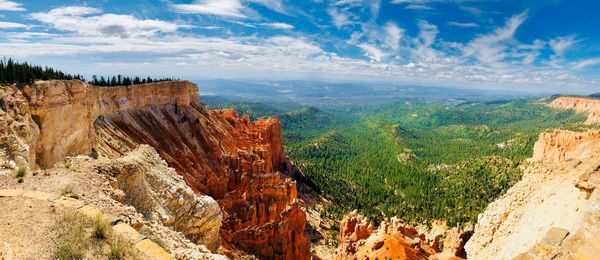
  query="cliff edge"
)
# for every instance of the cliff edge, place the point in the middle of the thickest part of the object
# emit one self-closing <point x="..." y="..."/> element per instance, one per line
<point x="239" y="163"/>
<point x="553" y="212"/>
<point x="580" y="105"/>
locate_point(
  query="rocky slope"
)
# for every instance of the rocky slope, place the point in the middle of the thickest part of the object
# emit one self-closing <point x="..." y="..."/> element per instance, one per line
<point x="237" y="162"/>
<point x="553" y="212"/>
<point x="587" y="105"/>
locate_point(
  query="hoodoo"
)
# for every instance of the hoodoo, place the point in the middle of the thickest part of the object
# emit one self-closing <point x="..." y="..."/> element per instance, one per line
<point x="239" y="163"/>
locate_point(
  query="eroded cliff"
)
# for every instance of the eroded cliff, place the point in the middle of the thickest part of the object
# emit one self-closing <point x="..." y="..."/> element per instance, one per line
<point x="239" y="163"/>
<point x="580" y="105"/>
<point x="552" y="213"/>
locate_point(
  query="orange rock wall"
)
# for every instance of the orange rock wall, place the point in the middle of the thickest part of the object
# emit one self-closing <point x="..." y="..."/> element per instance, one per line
<point x="561" y="145"/>
<point x="237" y="162"/>
<point x="580" y="105"/>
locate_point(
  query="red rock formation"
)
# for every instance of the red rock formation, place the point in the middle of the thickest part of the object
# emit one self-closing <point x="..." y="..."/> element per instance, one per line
<point x="237" y="162"/>
<point x="563" y="145"/>
<point x="393" y="240"/>
<point x="227" y="157"/>
<point x="587" y="105"/>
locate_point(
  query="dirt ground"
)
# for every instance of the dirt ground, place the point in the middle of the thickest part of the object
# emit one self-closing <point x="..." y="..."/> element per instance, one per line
<point x="29" y="227"/>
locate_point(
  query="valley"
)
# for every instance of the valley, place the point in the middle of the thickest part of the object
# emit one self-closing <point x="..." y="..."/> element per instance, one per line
<point x="419" y="161"/>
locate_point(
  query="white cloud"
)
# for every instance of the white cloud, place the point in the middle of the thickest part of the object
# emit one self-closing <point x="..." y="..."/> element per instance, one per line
<point x="417" y="7"/>
<point x="423" y="44"/>
<point x="6" y="5"/>
<point x="229" y="8"/>
<point x="372" y="52"/>
<point x="561" y="44"/>
<point x="491" y="48"/>
<point x="393" y="35"/>
<point x="282" y="26"/>
<point x="585" y="63"/>
<point x="339" y="19"/>
<point x="465" y="25"/>
<point x="4" y="25"/>
<point x="91" y="21"/>
<point x="226" y="8"/>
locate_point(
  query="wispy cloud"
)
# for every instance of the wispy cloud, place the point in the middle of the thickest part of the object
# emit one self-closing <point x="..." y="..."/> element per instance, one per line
<point x="230" y="8"/>
<point x="91" y="21"/>
<point x="5" y="25"/>
<point x="491" y="48"/>
<point x="6" y="5"/>
<point x="561" y="44"/>
<point x="282" y="26"/>
<point x="580" y="64"/>
<point x="226" y="8"/>
<point x="464" y="25"/>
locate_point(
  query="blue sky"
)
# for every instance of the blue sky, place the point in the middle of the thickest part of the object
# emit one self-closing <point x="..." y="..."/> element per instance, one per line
<point x="533" y="45"/>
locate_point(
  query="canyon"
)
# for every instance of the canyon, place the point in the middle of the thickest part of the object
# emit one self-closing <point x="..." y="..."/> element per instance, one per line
<point x="210" y="183"/>
<point x="238" y="163"/>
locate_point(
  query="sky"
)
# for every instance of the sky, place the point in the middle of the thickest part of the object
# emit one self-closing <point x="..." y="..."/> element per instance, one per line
<point x="548" y="45"/>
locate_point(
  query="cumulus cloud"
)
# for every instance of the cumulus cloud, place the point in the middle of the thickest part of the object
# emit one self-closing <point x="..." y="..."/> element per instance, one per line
<point x="91" y="21"/>
<point x="6" y="5"/>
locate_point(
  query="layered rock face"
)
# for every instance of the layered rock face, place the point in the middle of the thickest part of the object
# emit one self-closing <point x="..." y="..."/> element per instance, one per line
<point x="66" y="110"/>
<point x="562" y="145"/>
<point x="159" y="193"/>
<point x="237" y="162"/>
<point x="580" y="105"/>
<point x="227" y="157"/>
<point x="553" y="212"/>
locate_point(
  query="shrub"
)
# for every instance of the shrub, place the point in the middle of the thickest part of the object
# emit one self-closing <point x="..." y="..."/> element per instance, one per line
<point x="117" y="250"/>
<point x="100" y="227"/>
<point x="72" y="238"/>
<point x="69" y="191"/>
<point x="69" y="166"/>
<point x="21" y="172"/>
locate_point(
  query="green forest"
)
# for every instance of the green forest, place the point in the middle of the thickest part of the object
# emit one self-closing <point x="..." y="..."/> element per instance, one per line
<point x="12" y="71"/>
<point x="417" y="161"/>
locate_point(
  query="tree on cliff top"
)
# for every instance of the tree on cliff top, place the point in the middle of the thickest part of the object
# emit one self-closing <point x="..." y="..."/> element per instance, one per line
<point x="15" y="72"/>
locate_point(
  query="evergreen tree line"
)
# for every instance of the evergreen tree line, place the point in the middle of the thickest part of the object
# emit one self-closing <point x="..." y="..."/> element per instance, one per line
<point x="123" y="81"/>
<point x="15" y="72"/>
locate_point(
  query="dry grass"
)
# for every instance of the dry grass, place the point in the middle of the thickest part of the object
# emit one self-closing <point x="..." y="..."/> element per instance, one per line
<point x="69" y="191"/>
<point x="85" y="238"/>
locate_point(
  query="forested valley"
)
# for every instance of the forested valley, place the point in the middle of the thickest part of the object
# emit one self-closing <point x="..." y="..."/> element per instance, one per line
<point x="419" y="161"/>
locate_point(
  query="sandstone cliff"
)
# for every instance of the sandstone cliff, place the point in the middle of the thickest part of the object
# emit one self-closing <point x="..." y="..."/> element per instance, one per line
<point x="237" y="162"/>
<point x="580" y="105"/>
<point x="561" y="145"/>
<point x="552" y="213"/>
